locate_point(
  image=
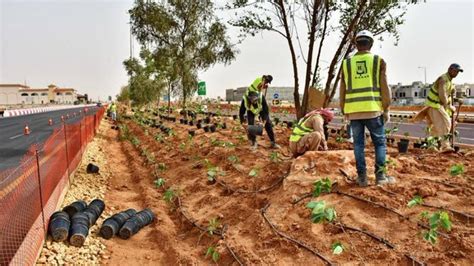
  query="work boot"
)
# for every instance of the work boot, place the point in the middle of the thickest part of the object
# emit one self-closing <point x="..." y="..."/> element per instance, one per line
<point x="383" y="180"/>
<point x="253" y="146"/>
<point x="274" y="145"/>
<point x="350" y="140"/>
<point x="362" y="180"/>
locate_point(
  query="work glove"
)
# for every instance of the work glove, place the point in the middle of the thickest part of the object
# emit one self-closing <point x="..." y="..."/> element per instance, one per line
<point x="386" y="116"/>
<point x="453" y="109"/>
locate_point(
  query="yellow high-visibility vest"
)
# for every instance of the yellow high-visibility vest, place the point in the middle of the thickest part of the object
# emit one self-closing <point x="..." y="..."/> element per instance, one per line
<point x="250" y="107"/>
<point x="300" y="130"/>
<point x="254" y="86"/>
<point x="361" y="74"/>
<point x="432" y="100"/>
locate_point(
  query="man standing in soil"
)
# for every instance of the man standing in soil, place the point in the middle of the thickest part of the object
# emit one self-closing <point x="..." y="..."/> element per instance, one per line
<point x="254" y="103"/>
<point x="365" y="100"/>
<point x="308" y="134"/>
<point x="439" y="107"/>
<point x="113" y="111"/>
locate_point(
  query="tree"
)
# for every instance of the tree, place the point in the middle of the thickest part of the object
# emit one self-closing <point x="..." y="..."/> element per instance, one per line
<point x="283" y="17"/>
<point x="185" y="36"/>
<point x="145" y="84"/>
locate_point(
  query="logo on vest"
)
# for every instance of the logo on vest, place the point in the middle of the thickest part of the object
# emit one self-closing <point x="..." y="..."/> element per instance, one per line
<point x="361" y="69"/>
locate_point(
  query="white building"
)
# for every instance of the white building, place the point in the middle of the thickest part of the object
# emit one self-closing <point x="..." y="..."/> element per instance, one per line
<point x="14" y="94"/>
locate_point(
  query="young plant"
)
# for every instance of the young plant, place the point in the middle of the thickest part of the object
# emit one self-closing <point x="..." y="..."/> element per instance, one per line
<point x="385" y="167"/>
<point x="457" y="169"/>
<point x="124" y="132"/>
<point x="320" y="212"/>
<point x="417" y="200"/>
<point x="241" y="138"/>
<point x="162" y="167"/>
<point x="159" y="182"/>
<point x="213" y="254"/>
<point x="337" y="248"/>
<point x="159" y="137"/>
<point x="339" y="139"/>
<point x="169" y="195"/>
<point x="322" y="186"/>
<point x="234" y="159"/>
<point x="253" y="172"/>
<point x="135" y="141"/>
<point x="214" y="224"/>
<point x="275" y="157"/>
<point x="213" y="172"/>
<point x="406" y="134"/>
<point x="436" y="220"/>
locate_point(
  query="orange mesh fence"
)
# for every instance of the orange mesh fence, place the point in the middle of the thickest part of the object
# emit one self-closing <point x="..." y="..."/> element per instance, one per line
<point x="30" y="193"/>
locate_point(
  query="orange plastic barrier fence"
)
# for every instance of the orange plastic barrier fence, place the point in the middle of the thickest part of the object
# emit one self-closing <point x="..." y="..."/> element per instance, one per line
<point x="31" y="192"/>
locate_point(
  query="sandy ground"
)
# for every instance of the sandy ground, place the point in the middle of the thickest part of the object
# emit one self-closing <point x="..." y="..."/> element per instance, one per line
<point x="247" y="205"/>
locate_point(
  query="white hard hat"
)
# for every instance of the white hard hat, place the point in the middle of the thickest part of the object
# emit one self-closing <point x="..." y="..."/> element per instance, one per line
<point x="366" y="34"/>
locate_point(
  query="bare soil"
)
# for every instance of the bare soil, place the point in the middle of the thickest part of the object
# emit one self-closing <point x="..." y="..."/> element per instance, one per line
<point x="248" y="206"/>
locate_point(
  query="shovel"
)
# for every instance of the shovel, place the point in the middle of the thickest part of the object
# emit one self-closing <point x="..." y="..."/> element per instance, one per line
<point x="453" y="120"/>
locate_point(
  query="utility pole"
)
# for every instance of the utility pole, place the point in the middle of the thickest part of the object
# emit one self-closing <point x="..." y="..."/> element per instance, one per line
<point x="424" y="68"/>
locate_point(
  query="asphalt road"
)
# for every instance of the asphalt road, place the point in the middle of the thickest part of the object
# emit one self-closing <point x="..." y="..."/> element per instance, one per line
<point x="466" y="130"/>
<point x="14" y="144"/>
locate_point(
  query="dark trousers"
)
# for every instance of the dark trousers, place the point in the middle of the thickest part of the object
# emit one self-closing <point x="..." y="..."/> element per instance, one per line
<point x="268" y="126"/>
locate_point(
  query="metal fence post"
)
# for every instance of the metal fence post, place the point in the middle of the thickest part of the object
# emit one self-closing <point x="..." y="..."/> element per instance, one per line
<point x="67" y="155"/>
<point x="80" y="135"/>
<point x="40" y="189"/>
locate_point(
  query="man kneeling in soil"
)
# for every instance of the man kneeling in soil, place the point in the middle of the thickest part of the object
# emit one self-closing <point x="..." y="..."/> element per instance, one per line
<point x="308" y="134"/>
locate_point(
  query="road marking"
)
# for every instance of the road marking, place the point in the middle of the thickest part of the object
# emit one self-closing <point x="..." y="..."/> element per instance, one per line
<point x="14" y="137"/>
<point x="467" y="138"/>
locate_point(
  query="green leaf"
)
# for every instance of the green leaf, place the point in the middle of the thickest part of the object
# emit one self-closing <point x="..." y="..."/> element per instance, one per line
<point x="445" y="222"/>
<point x="337" y="248"/>
<point x="253" y="173"/>
<point x="457" y="169"/>
<point x="159" y="182"/>
<point x="215" y="256"/>
<point x="431" y="236"/>
<point x="417" y="200"/>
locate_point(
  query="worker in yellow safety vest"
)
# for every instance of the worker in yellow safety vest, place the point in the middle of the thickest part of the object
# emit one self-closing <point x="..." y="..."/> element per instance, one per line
<point x="365" y="101"/>
<point x="253" y="104"/>
<point x="308" y="134"/>
<point x="439" y="107"/>
<point x="259" y="84"/>
<point x="113" y="111"/>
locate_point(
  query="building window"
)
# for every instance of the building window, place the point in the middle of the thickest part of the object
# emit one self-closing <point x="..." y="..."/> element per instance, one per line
<point x="34" y="94"/>
<point x="24" y="94"/>
<point x="416" y="94"/>
<point x="68" y="93"/>
<point x="59" y="94"/>
<point x="44" y="94"/>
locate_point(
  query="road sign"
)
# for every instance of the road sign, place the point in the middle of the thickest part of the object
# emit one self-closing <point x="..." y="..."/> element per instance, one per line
<point x="201" y="88"/>
<point x="276" y="102"/>
<point x="276" y="95"/>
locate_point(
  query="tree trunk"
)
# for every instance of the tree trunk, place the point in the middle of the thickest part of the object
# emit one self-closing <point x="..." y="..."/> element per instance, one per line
<point x="169" y="98"/>
<point x="323" y="36"/>
<point x="329" y="97"/>
<point x="345" y="39"/>
<point x="296" y="94"/>
<point x="312" y="34"/>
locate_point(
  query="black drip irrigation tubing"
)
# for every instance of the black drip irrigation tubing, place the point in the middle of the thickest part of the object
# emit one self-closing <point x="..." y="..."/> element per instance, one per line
<point x="459" y="213"/>
<point x="231" y="251"/>
<point x="238" y="190"/>
<point x="295" y="241"/>
<point x="309" y="195"/>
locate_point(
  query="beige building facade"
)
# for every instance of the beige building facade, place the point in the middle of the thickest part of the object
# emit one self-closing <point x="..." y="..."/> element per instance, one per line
<point x="14" y="94"/>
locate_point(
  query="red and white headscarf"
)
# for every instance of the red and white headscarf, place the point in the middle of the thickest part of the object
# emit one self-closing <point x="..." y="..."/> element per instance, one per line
<point x="326" y="113"/>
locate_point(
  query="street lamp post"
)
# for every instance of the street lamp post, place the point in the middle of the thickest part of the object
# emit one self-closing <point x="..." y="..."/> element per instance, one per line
<point x="424" y="68"/>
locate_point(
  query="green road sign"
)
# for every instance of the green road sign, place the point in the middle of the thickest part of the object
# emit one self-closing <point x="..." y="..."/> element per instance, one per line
<point x="201" y="88"/>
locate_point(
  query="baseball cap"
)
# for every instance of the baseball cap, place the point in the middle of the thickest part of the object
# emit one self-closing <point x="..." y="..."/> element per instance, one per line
<point x="457" y="67"/>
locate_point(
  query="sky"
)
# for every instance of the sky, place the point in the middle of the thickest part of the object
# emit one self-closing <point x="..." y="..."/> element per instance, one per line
<point x="82" y="44"/>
